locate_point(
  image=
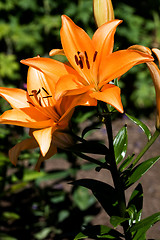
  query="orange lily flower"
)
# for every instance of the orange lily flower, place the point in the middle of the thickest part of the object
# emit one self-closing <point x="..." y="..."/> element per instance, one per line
<point x="93" y="63"/>
<point x="38" y="110"/>
<point x="155" y="74"/>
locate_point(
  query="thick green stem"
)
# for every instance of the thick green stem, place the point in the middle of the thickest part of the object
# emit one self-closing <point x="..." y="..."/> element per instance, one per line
<point x="146" y="147"/>
<point x="116" y="177"/>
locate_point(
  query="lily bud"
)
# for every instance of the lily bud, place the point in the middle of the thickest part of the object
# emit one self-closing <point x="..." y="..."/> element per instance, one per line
<point x="155" y="74"/>
<point x="103" y="11"/>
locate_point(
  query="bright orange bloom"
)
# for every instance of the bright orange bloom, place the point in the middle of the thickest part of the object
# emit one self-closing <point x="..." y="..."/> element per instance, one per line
<point x="103" y="11"/>
<point x="93" y="63"/>
<point x="37" y="109"/>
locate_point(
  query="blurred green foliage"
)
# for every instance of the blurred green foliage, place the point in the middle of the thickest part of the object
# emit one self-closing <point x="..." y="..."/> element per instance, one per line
<point x="32" y="208"/>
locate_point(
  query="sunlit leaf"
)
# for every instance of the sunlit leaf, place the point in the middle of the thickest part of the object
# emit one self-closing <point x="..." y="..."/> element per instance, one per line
<point x="142" y="227"/>
<point x="141" y="125"/>
<point x="120" y="144"/>
<point x="140" y="170"/>
<point x="135" y="204"/>
<point x="126" y="162"/>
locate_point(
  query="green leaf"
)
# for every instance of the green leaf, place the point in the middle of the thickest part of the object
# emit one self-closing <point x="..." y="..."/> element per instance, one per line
<point x="99" y="232"/>
<point x="43" y="233"/>
<point x="142" y="227"/>
<point x="135" y="204"/>
<point x="105" y="194"/>
<point x="80" y="236"/>
<point x="140" y="170"/>
<point x="6" y="237"/>
<point x="120" y="144"/>
<point x="116" y="220"/>
<point x="141" y="125"/>
<point x="126" y="162"/>
<point x="11" y="215"/>
<point x="91" y="146"/>
<point x="82" y="198"/>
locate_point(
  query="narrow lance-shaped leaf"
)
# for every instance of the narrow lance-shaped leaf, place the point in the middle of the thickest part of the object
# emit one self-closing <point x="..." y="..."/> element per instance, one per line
<point x="135" y="204"/>
<point x="140" y="228"/>
<point x="120" y="144"/>
<point x="139" y="171"/>
<point x="126" y="162"/>
<point x="141" y="125"/>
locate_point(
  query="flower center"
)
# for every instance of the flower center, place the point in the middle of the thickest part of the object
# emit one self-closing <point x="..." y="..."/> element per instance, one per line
<point x="40" y="99"/>
<point x="81" y="59"/>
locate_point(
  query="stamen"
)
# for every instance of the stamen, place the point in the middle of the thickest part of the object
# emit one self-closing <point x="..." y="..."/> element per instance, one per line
<point x="86" y="54"/>
<point x="31" y="103"/>
<point x="78" y="52"/>
<point x="39" y="100"/>
<point x="47" y="97"/>
<point x="45" y="90"/>
<point x="87" y="63"/>
<point x="81" y="64"/>
<point x="95" y="55"/>
<point x="76" y="59"/>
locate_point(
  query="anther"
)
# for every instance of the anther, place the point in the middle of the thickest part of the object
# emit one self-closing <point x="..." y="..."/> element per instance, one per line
<point x="78" y="52"/>
<point x="95" y="55"/>
<point x="47" y="97"/>
<point x="39" y="100"/>
<point x="86" y="54"/>
<point x="87" y="63"/>
<point x="45" y="90"/>
<point x="81" y="64"/>
<point x="76" y="59"/>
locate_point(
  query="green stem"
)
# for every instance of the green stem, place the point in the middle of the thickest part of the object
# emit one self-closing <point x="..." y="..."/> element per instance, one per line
<point x="116" y="177"/>
<point x="146" y="147"/>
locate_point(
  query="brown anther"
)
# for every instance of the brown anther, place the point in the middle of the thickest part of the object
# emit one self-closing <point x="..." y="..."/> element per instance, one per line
<point x="95" y="55"/>
<point x="87" y="63"/>
<point x="47" y="97"/>
<point x="78" y="52"/>
<point x="31" y="103"/>
<point x="76" y="59"/>
<point x="45" y="90"/>
<point x="39" y="100"/>
<point x="86" y="54"/>
<point x="81" y="64"/>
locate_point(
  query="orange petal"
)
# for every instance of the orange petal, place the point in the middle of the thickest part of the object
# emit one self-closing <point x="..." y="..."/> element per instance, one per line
<point x="52" y="150"/>
<point x="14" y="152"/>
<point x="17" y="98"/>
<point x="44" y="138"/>
<point x="75" y="41"/>
<point x="70" y="102"/>
<point x="111" y="95"/>
<point x="51" y="68"/>
<point x="25" y="117"/>
<point x="103" y="38"/>
<point x="36" y="80"/>
<point x="118" y="63"/>
<point x="69" y="84"/>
